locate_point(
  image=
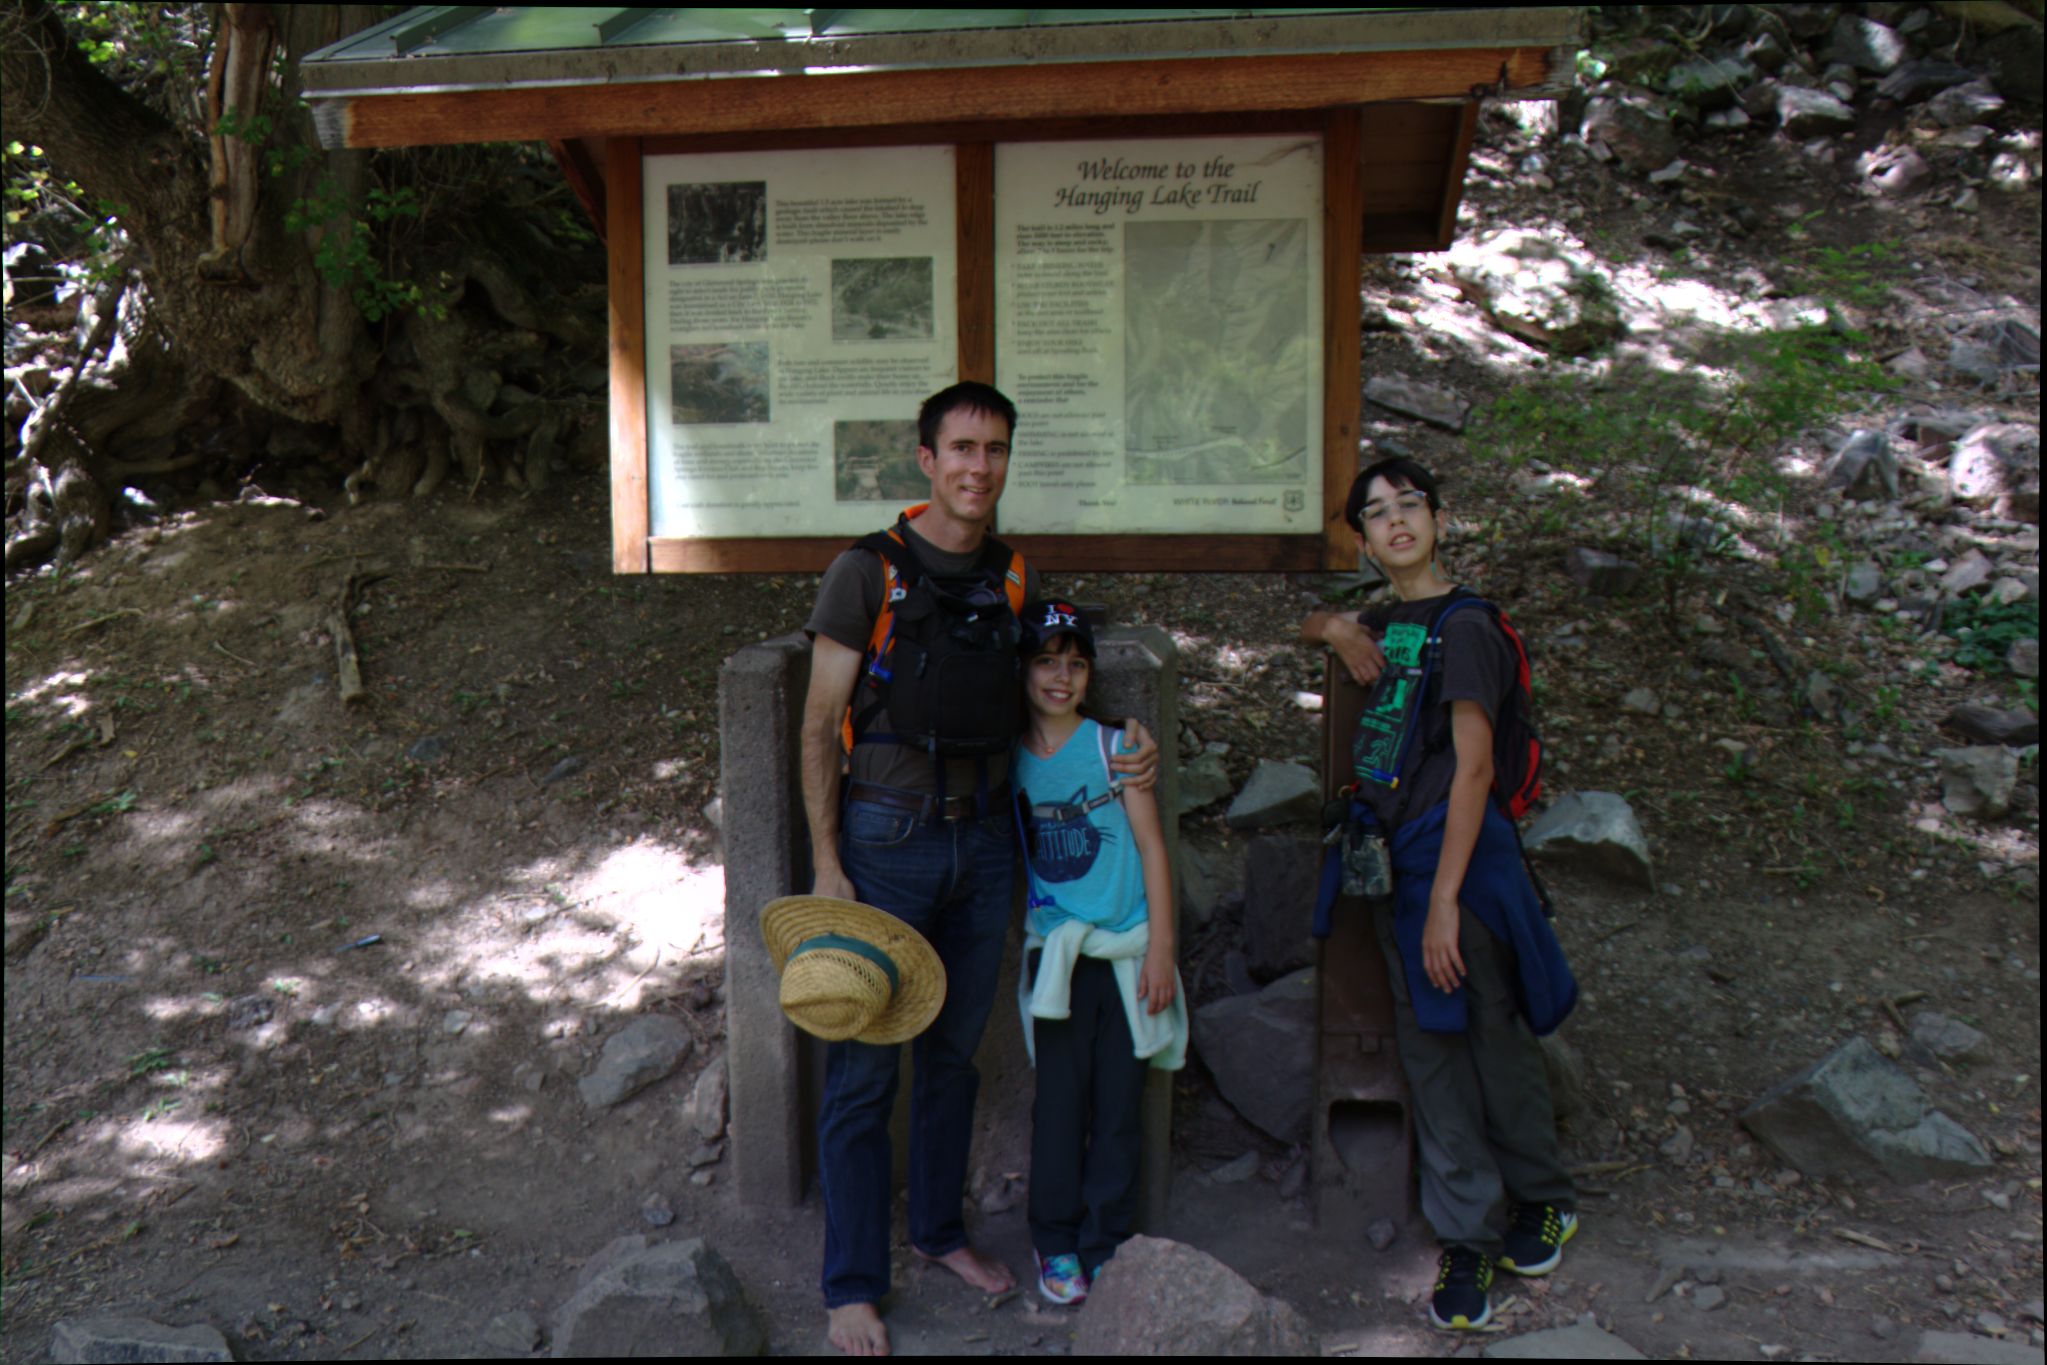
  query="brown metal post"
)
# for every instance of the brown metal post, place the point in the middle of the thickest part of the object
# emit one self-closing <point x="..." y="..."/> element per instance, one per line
<point x="1363" y="1150"/>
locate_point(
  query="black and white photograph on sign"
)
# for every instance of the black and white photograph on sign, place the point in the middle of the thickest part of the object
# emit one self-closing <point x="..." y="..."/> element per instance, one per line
<point x="877" y="462"/>
<point x="718" y="224"/>
<point x="1216" y="350"/>
<point x="888" y="299"/>
<point x="720" y="383"/>
<point x="796" y="298"/>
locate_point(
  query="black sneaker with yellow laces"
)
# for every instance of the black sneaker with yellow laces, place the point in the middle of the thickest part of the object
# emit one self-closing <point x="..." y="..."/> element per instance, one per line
<point x="1463" y="1299"/>
<point x="1536" y="1241"/>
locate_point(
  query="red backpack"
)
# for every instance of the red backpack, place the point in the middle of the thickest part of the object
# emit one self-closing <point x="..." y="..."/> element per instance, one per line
<point x="1517" y="748"/>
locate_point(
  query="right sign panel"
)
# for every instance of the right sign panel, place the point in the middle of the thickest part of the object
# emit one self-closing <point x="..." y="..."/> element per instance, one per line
<point x="1158" y="310"/>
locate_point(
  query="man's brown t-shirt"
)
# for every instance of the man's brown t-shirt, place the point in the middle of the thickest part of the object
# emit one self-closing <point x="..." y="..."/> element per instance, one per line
<point x="848" y="603"/>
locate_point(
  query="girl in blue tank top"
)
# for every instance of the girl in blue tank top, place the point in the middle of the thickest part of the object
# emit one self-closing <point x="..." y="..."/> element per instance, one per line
<point x="1100" y="994"/>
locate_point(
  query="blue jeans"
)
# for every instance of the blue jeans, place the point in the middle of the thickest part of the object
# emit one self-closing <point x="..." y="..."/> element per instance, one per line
<point x="952" y="883"/>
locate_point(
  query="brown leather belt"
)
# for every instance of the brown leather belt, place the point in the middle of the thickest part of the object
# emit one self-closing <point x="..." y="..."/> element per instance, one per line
<point x="927" y="807"/>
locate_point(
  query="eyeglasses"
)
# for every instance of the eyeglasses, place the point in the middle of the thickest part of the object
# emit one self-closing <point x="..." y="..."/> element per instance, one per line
<point x="1408" y="505"/>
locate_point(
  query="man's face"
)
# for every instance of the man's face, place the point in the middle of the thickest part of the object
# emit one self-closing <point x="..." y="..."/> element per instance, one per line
<point x="969" y="466"/>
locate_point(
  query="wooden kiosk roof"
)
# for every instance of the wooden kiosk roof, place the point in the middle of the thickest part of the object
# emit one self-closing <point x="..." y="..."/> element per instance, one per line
<point x="1393" y="94"/>
<point x="573" y="77"/>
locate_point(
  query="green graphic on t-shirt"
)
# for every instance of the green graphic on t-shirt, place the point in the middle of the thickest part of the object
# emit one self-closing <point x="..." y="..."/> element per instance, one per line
<point x="1388" y="712"/>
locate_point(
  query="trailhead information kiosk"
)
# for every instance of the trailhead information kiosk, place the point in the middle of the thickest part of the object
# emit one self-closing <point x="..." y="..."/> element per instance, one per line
<point x="1145" y="226"/>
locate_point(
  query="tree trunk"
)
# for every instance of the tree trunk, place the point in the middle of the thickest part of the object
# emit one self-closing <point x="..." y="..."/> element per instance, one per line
<point x="243" y="294"/>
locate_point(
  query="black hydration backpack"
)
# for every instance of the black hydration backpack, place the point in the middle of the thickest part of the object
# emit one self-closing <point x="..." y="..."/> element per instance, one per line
<point x="942" y="660"/>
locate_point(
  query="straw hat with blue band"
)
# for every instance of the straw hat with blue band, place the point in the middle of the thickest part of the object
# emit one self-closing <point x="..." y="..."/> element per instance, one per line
<point x="852" y="971"/>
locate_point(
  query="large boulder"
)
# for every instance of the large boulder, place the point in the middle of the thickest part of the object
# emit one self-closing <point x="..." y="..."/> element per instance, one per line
<point x="1939" y="1038"/>
<point x="1635" y="130"/>
<point x="1276" y="794"/>
<point x="1978" y="780"/>
<point x="1999" y="463"/>
<point x="1597" y="830"/>
<point x="1437" y="406"/>
<point x="1855" y="1114"/>
<point x="1641" y="61"/>
<point x="1812" y="113"/>
<point x="640" y="1298"/>
<point x="1960" y="106"/>
<point x="704" y="1110"/>
<point x="1601" y="574"/>
<point x="1867" y="45"/>
<point x="1990" y="725"/>
<point x="1207" y="877"/>
<point x="1710" y="82"/>
<point x="1163" y="1298"/>
<point x="91" y="1341"/>
<point x="1892" y="171"/>
<point x="1261" y="1050"/>
<point x="1917" y="79"/>
<point x="634" y="1058"/>
<point x="1864" y="466"/>
<point x="1548" y="293"/>
<point x="1281" y="878"/>
<point x="1203" y="781"/>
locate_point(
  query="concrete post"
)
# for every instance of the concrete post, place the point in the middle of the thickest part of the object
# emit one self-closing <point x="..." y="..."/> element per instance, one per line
<point x="774" y="1072"/>
<point x="1138" y="674"/>
<point x="767" y="854"/>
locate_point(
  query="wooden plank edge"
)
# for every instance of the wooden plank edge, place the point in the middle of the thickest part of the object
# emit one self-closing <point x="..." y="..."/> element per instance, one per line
<point x="869" y="99"/>
<point x="1061" y="553"/>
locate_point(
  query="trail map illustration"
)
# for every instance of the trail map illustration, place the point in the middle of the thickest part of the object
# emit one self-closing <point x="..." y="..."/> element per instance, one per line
<point x="1217" y="353"/>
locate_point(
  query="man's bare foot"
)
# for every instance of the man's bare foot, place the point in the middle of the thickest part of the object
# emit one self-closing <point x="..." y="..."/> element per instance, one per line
<point x="856" y="1329"/>
<point x="985" y="1273"/>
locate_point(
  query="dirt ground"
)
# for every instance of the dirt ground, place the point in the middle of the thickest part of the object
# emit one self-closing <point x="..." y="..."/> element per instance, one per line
<point x="297" y="994"/>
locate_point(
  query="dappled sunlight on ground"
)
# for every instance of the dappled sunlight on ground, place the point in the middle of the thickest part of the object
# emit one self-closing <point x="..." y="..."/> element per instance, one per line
<point x="55" y="691"/>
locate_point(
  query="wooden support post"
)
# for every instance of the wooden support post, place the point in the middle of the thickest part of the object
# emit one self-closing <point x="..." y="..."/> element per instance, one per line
<point x="1342" y="248"/>
<point x="625" y="250"/>
<point x="974" y="210"/>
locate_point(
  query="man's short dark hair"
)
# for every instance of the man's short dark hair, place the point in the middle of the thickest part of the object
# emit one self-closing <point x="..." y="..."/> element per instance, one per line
<point x="968" y="394"/>
<point x="1398" y="470"/>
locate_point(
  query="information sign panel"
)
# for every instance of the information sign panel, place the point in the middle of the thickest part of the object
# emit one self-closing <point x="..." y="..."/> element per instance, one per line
<point x="1158" y="308"/>
<point x="799" y="306"/>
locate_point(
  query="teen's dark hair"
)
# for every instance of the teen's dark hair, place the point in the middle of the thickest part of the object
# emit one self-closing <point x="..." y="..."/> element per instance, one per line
<point x="967" y="394"/>
<point x="1397" y="470"/>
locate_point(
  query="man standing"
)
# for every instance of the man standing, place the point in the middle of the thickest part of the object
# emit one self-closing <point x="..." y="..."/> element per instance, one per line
<point x="926" y="838"/>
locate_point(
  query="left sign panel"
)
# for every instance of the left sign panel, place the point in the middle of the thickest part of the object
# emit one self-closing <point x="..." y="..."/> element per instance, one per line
<point x="800" y="305"/>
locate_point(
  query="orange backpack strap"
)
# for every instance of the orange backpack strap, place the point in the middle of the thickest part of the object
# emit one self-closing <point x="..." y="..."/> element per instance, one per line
<point x="1013" y="583"/>
<point x="884" y="620"/>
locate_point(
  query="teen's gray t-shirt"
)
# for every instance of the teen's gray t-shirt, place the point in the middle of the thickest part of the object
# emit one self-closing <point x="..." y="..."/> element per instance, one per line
<point x="848" y="603"/>
<point x="1477" y="664"/>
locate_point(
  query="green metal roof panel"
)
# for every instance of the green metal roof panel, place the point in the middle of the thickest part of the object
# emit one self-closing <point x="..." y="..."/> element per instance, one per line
<point x="455" y="30"/>
<point x="452" y="48"/>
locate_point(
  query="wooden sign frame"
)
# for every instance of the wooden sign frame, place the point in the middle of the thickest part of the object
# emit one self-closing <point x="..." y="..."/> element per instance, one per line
<point x="636" y="550"/>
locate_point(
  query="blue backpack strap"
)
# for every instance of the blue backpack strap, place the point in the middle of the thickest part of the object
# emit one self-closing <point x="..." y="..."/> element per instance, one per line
<point x="1325" y="893"/>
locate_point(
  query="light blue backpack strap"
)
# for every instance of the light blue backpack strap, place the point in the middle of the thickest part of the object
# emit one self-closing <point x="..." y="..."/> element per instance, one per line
<point x="1105" y="741"/>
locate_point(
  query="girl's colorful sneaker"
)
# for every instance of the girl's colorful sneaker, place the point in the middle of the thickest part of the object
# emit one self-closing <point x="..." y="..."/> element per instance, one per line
<point x="1061" y="1280"/>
